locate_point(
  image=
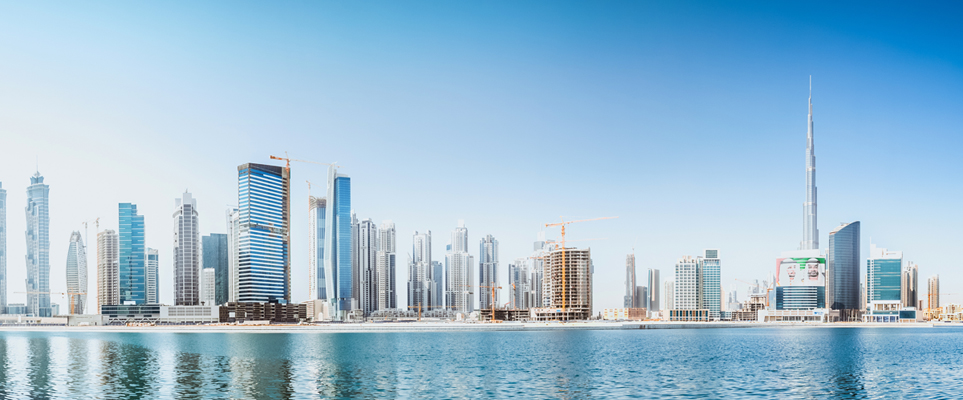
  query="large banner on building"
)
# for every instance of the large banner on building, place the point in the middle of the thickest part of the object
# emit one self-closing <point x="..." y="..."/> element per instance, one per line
<point x="801" y="271"/>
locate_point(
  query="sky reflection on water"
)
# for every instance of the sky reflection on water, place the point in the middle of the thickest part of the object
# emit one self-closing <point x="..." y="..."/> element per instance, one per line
<point x="731" y="363"/>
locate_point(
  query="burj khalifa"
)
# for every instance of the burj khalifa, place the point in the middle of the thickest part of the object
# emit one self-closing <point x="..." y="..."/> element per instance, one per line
<point x="810" y="232"/>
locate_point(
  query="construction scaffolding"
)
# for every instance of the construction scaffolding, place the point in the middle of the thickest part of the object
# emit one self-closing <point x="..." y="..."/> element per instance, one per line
<point x="568" y="276"/>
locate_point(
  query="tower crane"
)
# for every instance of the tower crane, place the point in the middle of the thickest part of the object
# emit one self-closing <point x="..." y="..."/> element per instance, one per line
<point x="68" y="294"/>
<point x="562" y="224"/>
<point x="287" y="161"/>
<point x="492" y="298"/>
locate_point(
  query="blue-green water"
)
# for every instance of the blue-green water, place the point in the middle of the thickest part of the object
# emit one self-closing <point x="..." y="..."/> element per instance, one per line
<point x="714" y="363"/>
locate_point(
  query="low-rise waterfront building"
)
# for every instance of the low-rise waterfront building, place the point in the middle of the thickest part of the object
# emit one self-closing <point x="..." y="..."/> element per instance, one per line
<point x="624" y="314"/>
<point x="270" y="312"/>
<point x="158" y="314"/>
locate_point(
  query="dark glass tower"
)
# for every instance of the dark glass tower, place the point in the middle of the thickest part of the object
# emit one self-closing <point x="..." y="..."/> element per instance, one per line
<point x="842" y="275"/>
<point x="215" y="256"/>
<point x="133" y="271"/>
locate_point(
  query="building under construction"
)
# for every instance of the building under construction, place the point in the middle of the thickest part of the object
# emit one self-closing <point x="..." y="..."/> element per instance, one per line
<point x="568" y="281"/>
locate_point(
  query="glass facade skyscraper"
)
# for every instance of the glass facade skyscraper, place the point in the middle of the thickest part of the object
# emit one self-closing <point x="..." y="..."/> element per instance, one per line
<point x="842" y="275"/>
<point x="488" y="272"/>
<point x="133" y="269"/>
<point x="153" y="264"/>
<point x="3" y="250"/>
<point x="76" y="274"/>
<point x="338" y="277"/>
<point x="883" y="271"/>
<point x="317" y="288"/>
<point x="710" y="268"/>
<point x="38" y="247"/>
<point x="264" y="266"/>
<point x="214" y="249"/>
<point x="187" y="252"/>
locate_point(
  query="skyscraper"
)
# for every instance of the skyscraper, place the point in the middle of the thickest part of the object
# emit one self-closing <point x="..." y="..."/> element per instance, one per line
<point x="458" y="272"/>
<point x="214" y="248"/>
<point x="519" y="284"/>
<point x="338" y="258"/>
<point x="709" y="276"/>
<point x="38" y="247"/>
<point x="488" y="272"/>
<point x="76" y="274"/>
<point x="419" y="272"/>
<point x="883" y="273"/>
<point x="387" y="297"/>
<point x="654" y="292"/>
<point x="133" y="271"/>
<point x="669" y="295"/>
<point x="842" y="275"/>
<point x="933" y="292"/>
<point x="153" y="287"/>
<point x="233" y="254"/>
<point x="264" y="221"/>
<point x="187" y="252"/>
<point x="810" y="232"/>
<point x="3" y="250"/>
<point x="317" y="207"/>
<point x="436" y="283"/>
<point x="909" y="286"/>
<point x="688" y="286"/>
<point x="108" y="269"/>
<point x="628" y="301"/>
<point x="366" y="257"/>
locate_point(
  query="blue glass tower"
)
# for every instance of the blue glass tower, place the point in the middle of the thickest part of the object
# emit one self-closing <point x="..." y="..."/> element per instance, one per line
<point x="883" y="272"/>
<point x="710" y="270"/>
<point x="133" y="271"/>
<point x="264" y="266"/>
<point x="338" y="277"/>
<point x="214" y="249"/>
<point x="842" y="275"/>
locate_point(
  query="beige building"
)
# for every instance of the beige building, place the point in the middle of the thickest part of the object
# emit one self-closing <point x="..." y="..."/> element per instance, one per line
<point x="108" y="269"/>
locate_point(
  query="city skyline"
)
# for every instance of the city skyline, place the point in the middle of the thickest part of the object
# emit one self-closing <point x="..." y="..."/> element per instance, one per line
<point x="878" y="122"/>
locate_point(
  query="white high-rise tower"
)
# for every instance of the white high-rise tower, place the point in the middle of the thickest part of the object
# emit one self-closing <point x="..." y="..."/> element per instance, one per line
<point x="810" y="232"/>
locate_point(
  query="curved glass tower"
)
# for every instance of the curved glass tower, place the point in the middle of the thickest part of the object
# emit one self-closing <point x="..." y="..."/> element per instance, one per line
<point x="842" y="275"/>
<point x="77" y="274"/>
<point x="264" y="265"/>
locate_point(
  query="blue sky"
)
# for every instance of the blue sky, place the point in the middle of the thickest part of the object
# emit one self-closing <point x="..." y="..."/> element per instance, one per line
<point x="686" y="120"/>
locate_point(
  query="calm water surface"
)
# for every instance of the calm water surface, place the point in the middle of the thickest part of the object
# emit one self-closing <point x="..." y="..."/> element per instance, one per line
<point x="710" y="363"/>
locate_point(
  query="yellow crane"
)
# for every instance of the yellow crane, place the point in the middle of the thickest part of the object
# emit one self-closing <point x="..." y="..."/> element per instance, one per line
<point x="492" y="298"/>
<point x="287" y="161"/>
<point x="419" y="309"/>
<point x="563" y="224"/>
<point x="68" y="294"/>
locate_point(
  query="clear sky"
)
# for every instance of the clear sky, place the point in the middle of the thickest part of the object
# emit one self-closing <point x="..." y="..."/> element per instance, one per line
<point x="686" y="120"/>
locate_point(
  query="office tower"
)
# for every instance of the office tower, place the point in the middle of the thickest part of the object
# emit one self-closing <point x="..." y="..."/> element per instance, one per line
<point x="233" y="254"/>
<point x="76" y="274"/>
<point x="366" y="257"/>
<point x="187" y="252"/>
<point x="709" y="274"/>
<point x="883" y="273"/>
<point x="909" y="285"/>
<point x="458" y="272"/>
<point x="688" y="285"/>
<point x="629" y="301"/>
<point x="387" y="298"/>
<point x="3" y="250"/>
<point x="133" y="271"/>
<point x="214" y="250"/>
<point x="653" y="297"/>
<point x="264" y="222"/>
<point x="810" y="232"/>
<point x="641" y="294"/>
<point x="355" y="266"/>
<point x="842" y="271"/>
<point x="488" y="272"/>
<point x="519" y="284"/>
<point x="337" y="231"/>
<point x="38" y="247"/>
<point x="208" y="285"/>
<point x="317" y="207"/>
<point x="419" y="272"/>
<point x="570" y="271"/>
<point x="669" y="295"/>
<point x="108" y="269"/>
<point x="437" y="282"/>
<point x="933" y="292"/>
<point x="153" y="279"/>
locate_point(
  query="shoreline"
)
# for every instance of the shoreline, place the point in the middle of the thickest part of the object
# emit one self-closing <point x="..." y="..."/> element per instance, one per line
<point x="456" y="327"/>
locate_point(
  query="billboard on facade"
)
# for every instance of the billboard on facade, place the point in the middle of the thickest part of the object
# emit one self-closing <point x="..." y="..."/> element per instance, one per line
<point x="801" y="271"/>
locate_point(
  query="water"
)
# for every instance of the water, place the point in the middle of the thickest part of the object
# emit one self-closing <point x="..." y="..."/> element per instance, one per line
<point x="714" y="363"/>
